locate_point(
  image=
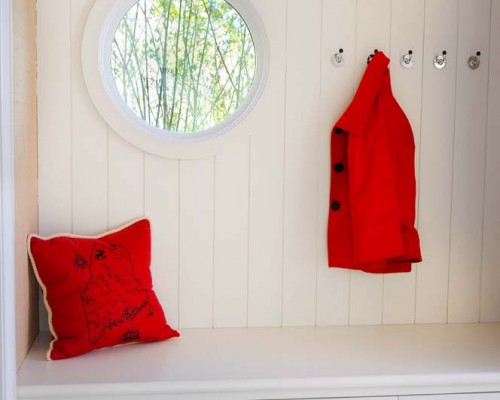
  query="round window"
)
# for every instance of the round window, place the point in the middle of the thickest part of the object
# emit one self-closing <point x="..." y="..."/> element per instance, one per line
<point x="183" y="66"/>
<point x="169" y="72"/>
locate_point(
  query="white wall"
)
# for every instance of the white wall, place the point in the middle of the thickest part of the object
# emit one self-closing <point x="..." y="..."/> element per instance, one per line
<point x="240" y="238"/>
<point x="25" y="168"/>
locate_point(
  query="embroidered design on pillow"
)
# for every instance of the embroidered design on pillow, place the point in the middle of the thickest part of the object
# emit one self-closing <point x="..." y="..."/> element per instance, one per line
<point x="113" y="295"/>
<point x="98" y="290"/>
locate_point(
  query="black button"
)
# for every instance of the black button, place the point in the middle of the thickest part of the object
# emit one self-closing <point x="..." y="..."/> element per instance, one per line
<point x="335" y="205"/>
<point x="339" y="167"/>
<point x="339" y="130"/>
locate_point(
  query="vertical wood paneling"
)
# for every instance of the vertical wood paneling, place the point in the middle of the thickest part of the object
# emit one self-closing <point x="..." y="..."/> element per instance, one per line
<point x="231" y="236"/>
<point x="25" y="168"/>
<point x="266" y="178"/>
<point x="54" y="123"/>
<point x="241" y="238"/>
<point x="90" y="142"/>
<point x="125" y="181"/>
<point x="436" y="159"/>
<point x="490" y="285"/>
<point x="373" y="32"/>
<point x="337" y="86"/>
<point x="196" y="268"/>
<point x="407" y="30"/>
<point x="469" y="163"/>
<point x="301" y="141"/>
<point x="54" y="116"/>
<point x="162" y="208"/>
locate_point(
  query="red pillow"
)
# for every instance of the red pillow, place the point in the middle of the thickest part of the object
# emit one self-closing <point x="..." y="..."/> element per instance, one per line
<point x="98" y="290"/>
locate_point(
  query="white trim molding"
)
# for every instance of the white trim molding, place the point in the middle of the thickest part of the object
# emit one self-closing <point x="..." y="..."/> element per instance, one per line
<point x="96" y="49"/>
<point x="7" y="280"/>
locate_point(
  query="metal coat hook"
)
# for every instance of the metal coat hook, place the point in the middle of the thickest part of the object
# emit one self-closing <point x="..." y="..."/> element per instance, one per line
<point x="338" y="58"/>
<point x="440" y="60"/>
<point x="407" y="60"/>
<point x="474" y="61"/>
<point x="371" y="56"/>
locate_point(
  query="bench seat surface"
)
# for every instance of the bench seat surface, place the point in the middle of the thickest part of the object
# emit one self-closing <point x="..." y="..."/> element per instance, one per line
<point x="255" y="363"/>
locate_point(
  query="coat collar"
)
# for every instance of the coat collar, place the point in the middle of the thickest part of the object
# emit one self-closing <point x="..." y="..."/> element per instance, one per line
<point x="354" y="118"/>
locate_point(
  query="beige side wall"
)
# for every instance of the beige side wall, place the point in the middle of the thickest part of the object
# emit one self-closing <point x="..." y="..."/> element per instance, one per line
<point x="25" y="147"/>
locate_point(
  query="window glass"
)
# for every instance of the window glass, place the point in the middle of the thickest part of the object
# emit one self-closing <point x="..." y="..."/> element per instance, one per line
<point x="183" y="65"/>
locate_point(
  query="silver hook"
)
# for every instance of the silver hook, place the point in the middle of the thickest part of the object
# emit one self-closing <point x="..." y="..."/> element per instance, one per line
<point x="407" y="60"/>
<point x="474" y="61"/>
<point x="440" y="60"/>
<point x="338" y="58"/>
<point x="371" y="56"/>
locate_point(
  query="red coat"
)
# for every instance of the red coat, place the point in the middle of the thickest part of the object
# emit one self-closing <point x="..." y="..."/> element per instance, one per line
<point x="372" y="195"/>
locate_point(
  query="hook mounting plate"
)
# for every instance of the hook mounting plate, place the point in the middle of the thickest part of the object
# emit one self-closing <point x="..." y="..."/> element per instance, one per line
<point x="440" y="61"/>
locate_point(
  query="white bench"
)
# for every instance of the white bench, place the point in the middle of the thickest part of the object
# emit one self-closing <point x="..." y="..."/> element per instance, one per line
<point x="279" y="363"/>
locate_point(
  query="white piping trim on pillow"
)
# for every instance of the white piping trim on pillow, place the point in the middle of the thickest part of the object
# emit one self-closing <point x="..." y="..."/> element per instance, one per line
<point x="44" y="290"/>
<point x="40" y="282"/>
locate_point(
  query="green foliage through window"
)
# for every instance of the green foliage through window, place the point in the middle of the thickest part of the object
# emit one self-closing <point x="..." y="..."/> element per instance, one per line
<point x="183" y="65"/>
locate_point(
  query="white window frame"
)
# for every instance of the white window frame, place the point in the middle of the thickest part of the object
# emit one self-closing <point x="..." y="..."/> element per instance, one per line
<point x="96" y="49"/>
<point x="7" y="278"/>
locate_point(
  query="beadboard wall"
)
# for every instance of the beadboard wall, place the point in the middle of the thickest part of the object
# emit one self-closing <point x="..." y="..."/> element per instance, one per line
<point x="239" y="239"/>
<point x="25" y="167"/>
